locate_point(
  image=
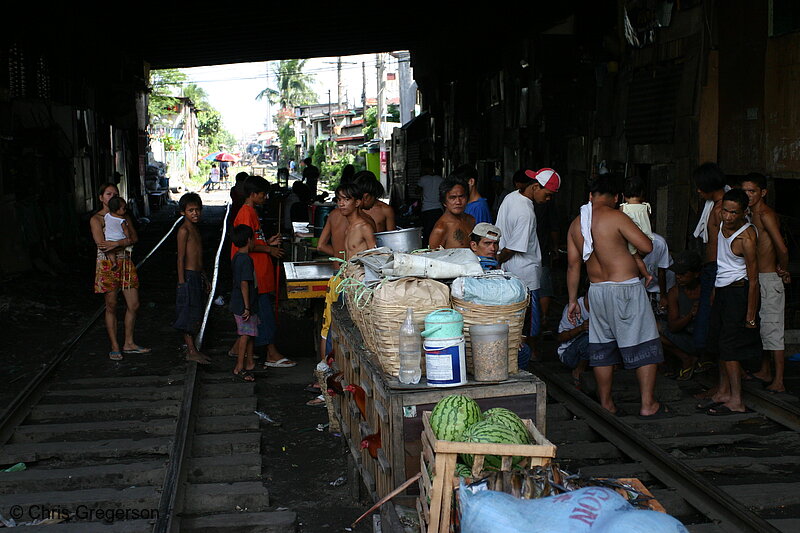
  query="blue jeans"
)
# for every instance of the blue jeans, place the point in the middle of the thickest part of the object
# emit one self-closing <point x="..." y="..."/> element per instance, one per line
<point x="577" y="351"/>
<point x="266" y="317"/>
<point x="535" y="325"/>
<point x="708" y="275"/>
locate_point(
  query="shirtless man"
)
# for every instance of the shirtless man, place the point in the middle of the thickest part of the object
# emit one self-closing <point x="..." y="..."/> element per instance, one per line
<point x="733" y="328"/>
<point x="622" y="328"/>
<point x="710" y="182"/>
<point x="379" y="211"/>
<point x="773" y="264"/>
<point x="453" y="228"/>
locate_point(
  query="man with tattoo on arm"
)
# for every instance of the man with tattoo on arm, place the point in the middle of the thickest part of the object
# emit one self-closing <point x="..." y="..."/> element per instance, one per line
<point x="453" y="228"/>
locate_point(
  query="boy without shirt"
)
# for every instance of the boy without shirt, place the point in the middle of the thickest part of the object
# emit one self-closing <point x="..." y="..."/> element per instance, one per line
<point x="453" y="228"/>
<point x="359" y="234"/>
<point x="192" y="281"/>
<point x="380" y="212"/>
<point x="773" y="262"/>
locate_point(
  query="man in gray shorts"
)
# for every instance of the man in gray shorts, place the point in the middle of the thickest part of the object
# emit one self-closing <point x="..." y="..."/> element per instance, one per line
<point x="622" y="328"/>
<point x="773" y="264"/>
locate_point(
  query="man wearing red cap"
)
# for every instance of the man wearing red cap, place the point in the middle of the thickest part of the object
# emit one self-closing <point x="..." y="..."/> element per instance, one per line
<point x="519" y="246"/>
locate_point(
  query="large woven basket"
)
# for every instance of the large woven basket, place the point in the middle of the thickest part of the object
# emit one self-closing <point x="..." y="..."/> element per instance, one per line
<point x="386" y="312"/>
<point x="511" y="314"/>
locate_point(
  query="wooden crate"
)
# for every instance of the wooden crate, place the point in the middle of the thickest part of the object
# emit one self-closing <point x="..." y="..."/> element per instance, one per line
<point x="440" y="456"/>
<point x="396" y="409"/>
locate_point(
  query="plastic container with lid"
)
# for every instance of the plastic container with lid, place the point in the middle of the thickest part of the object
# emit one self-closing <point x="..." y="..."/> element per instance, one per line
<point x="489" y="344"/>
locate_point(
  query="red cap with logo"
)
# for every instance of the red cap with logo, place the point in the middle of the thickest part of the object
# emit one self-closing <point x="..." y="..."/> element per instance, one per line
<point x="547" y="178"/>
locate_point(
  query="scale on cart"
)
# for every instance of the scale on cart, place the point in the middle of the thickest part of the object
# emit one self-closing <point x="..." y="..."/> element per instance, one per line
<point x="308" y="279"/>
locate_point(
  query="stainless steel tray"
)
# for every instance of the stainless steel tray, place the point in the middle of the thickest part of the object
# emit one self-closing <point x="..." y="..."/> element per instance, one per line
<point x="309" y="270"/>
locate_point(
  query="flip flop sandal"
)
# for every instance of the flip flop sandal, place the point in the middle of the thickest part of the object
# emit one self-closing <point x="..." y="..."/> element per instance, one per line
<point x="137" y="350"/>
<point x="705" y="366"/>
<point x="752" y="378"/>
<point x="234" y="355"/>
<point x="724" y="410"/>
<point x="245" y="376"/>
<point x="702" y="407"/>
<point x="686" y="374"/>
<point x="280" y="363"/>
<point x="319" y="401"/>
<point x="663" y="412"/>
<point x="115" y="356"/>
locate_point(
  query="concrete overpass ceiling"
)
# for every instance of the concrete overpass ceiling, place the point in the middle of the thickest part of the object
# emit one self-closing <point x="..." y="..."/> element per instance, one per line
<point x="289" y="32"/>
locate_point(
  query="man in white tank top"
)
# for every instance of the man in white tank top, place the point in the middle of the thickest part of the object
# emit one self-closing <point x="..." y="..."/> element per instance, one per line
<point x="733" y="330"/>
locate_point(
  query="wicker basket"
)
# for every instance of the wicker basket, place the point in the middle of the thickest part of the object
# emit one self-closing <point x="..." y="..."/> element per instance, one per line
<point x="386" y="313"/>
<point x="511" y="314"/>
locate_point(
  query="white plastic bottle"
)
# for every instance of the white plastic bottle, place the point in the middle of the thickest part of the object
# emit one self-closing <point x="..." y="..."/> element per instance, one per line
<point x="410" y="350"/>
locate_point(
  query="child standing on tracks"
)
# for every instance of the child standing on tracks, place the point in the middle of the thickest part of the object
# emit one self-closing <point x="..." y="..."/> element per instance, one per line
<point x="192" y="282"/>
<point x="244" y="301"/>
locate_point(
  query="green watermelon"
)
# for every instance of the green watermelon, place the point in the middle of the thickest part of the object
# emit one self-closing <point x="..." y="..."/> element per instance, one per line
<point x="453" y="415"/>
<point x="510" y="420"/>
<point x="463" y="470"/>
<point x="487" y="431"/>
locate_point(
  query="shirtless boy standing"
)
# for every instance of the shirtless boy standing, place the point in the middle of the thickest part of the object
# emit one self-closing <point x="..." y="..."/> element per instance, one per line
<point x="453" y="228"/>
<point x="378" y="210"/>
<point x="359" y="235"/>
<point x="773" y="264"/>
<point x="622" y="328"/>
<point x="192" y="282"/>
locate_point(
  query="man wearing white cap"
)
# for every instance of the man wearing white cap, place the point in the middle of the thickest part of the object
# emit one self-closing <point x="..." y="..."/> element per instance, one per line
<point x="519" y="246"/>
<point x="484" y="241"/>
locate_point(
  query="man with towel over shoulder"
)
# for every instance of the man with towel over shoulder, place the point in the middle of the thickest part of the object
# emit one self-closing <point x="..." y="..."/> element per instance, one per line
<point x="622" y="328"/>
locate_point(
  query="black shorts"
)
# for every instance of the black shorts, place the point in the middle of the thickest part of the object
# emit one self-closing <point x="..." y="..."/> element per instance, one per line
<point x="190" y="303"/>
<point x="727" y="334"/>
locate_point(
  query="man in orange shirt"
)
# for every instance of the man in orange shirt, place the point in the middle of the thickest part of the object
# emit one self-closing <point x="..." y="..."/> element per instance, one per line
<point x="255" y="189"/>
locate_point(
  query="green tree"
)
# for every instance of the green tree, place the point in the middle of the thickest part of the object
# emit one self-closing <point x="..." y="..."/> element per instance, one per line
<point x="288" y="142"/>
<point x="294" y="86"/>
<point x="163" y="83"/>
<point x="370" y="123"/>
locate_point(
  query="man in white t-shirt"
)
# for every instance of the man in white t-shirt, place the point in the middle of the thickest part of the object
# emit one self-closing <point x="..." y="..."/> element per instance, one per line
<point x="519" y="246"/>
<point x="431" y="207"/>
<point x="658" y="262"/>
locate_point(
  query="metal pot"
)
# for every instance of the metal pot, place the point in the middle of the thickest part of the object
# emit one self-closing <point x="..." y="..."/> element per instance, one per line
<point x="401" y="240"/>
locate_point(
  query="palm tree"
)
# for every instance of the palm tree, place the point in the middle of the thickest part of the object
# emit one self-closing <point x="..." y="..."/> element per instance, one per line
<point x="294" y="86"/>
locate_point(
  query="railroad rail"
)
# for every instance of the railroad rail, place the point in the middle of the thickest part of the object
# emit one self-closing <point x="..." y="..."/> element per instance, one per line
<point x="691" y="455"/>
<point x="160" y="452"/>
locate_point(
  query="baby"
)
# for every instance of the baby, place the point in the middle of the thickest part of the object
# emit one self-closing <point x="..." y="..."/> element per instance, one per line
<point x="639" y="212"/>
<point x="116" y="226"/>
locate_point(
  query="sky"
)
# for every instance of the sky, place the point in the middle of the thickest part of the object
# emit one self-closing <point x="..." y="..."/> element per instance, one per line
<point x="232" y="89"/>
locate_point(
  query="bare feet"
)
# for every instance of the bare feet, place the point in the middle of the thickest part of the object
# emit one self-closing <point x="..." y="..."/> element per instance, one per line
<point x="199" y="358"/>
<point x="775" y="387"/>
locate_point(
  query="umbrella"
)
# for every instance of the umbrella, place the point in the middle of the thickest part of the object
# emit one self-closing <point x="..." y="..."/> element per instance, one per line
<point x="212" y="156"/>
<point x="224" y="156"/>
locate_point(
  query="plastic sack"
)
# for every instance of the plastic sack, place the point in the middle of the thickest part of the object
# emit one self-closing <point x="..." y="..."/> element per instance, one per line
<point x="441" y="264"/>
<point x="587" y="510"/>
<point x="492" y="289"/>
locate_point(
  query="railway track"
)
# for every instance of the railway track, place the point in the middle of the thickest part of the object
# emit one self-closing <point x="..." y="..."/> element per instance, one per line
<point x="738" y="473"/>
<point x="145" y="448"/>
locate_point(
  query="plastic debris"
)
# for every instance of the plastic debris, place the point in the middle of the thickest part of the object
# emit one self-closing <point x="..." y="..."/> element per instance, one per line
<point x="266" y="418"/>
<point x="219" y="300"/>
<point x="338" y="482"/>
<point x="321" y="427"/>
<point x="19" y="467"/>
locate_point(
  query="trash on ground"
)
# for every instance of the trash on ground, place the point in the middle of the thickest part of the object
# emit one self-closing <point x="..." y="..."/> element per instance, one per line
<point x="338" y="482"/>
<point x="19" y="467"/>
<point x="266" y="418"/>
